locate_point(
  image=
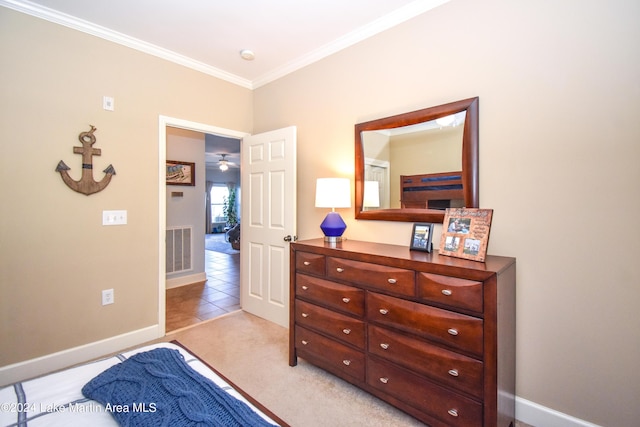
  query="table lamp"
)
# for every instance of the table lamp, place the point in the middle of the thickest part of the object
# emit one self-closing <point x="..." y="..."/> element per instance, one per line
<point x="333" y="193"/>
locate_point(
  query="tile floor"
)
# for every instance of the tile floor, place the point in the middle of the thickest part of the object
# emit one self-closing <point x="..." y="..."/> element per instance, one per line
<point x="220" y="294"/>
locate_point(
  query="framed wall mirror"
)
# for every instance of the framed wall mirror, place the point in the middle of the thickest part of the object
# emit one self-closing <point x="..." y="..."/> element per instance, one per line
<point x="411" y="167"/>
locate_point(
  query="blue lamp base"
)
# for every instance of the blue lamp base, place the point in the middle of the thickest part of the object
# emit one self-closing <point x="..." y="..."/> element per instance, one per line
<point x="333" y="226"/>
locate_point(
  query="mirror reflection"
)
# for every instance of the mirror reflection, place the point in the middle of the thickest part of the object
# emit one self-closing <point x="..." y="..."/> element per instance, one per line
<point x="398" y="161"/>
<point x="412" y="166"/>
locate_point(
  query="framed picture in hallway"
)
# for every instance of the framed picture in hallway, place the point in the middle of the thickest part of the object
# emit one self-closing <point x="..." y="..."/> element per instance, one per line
<point x="181" y="173"/>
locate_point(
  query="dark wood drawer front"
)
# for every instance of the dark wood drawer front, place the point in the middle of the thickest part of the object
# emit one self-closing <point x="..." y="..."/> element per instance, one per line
<point x="344" y="328"/>
<point x="310" y="263"/>
<point x="340" y="297"/>
<point x="451" y="291"/>
<point x="439" y="402"/>
<point x="390" y="279"/>
<point x="332" y="355"/>
<point x="452" y="369"/>
<point x="454" y="329"/>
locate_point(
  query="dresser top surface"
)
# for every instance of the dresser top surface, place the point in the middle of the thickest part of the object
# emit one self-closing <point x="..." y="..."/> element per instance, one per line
<point x="492" y="263"/>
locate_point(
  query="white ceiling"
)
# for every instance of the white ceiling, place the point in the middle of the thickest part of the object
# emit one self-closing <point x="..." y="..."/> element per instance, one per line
<point x="208" y="35"/>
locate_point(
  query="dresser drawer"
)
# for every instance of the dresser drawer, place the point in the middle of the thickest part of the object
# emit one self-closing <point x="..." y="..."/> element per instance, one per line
<point x="452" y="369"/>
<point x="451" y="291"/>
<point x="390" y="279"/>
<point x="310" y="263"/>
<point x="332" y="355"/>
<point x="454" y="329"/>
<point x="340" y="297"/>
<point x="339" y="326"/>
<point x="439" y="402"/>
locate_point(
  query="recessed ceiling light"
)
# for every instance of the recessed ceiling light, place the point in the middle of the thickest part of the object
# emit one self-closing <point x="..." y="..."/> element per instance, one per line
<point x="247" y="54"/>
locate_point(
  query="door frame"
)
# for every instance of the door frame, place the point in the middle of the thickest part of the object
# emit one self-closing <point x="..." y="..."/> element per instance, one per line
<point x="163" y="123"/>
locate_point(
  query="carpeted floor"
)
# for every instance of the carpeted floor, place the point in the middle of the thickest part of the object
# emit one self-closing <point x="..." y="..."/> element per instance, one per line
<point x="216" y="242"/>
<point x="253" y="353"/>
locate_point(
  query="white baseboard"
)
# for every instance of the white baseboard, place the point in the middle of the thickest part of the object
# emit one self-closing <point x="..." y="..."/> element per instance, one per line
<point x="72" y="356"/>
<point x="540" y="416"/>
<point x="185" y="280"/>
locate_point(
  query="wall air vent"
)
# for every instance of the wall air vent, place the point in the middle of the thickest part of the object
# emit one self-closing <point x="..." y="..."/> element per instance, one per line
<point x="179" y="249"/>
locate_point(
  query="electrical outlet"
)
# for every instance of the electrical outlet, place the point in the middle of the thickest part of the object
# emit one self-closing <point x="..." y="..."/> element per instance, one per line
<point x="107" y="297"/>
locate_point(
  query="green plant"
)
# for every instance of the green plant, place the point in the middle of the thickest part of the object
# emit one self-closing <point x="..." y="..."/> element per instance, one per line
<point x="229" y="207"/>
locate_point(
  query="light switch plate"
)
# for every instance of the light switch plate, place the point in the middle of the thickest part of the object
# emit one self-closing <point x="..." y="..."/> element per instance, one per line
<point x="114" y="217"/>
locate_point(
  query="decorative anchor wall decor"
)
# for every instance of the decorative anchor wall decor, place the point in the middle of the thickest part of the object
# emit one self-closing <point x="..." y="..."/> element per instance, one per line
<point x="87" y="185"/>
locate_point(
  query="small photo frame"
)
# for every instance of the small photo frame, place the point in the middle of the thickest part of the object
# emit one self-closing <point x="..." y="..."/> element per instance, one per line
<point x="181" y="173"/>
<point x="421" y="237"/>
<point x="465" y="233"/>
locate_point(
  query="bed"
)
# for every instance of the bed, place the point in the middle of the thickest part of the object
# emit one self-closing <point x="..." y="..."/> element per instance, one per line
<point x="159" y="384"/>
<point x="433" y="191"/>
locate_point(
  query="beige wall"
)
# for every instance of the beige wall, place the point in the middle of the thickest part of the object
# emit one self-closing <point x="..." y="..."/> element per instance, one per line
<point x="56" y="257"/>
<point x="559" y="145"/>
<point x="435" y="151"/>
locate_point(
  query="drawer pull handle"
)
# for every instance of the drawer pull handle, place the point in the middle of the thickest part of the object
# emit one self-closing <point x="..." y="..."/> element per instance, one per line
<point x="304" y="288"/>
<point x="446" y="292"/>
<point x="392" y="281"/>
<point x="453" y="412"/>
<point x="453" y="372"/>
<point x="305" y="342"/>
<point x="305" y="315"/>
<point x="346" y="300"/>
<point x="346" y="331"/>
<point x="453" y="332"/>
<point x="384" y="311"/>
<point x="384" y="345"/>
<point x="339" y="269"/>
<point x="384" y="380"/>
<point x="307" y="263"/>
<point x="347" y="362"/>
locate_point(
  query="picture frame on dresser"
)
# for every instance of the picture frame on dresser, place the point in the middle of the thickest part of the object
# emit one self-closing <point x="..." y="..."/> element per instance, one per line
<point x="421" y="237"/>
<point x="465" y="233"/>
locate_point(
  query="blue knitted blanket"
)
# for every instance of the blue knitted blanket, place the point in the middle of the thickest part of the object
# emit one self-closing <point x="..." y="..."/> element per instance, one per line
<point x="158" y="388"/>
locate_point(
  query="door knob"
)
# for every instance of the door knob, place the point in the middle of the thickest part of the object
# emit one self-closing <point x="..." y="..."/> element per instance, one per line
<point x="288" y="238"/>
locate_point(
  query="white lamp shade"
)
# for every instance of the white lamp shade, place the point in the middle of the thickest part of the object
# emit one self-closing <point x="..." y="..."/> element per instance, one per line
<point x="333" y="193"/>
<point x="371" y="194"/>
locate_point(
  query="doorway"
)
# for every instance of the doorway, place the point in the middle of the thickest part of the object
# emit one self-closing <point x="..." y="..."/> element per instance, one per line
<point x="164" y="123"/>
<point x="219" y="294"/>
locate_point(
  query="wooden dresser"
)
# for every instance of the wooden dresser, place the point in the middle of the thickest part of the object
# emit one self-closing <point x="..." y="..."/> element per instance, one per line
<point x="431" y="335"/>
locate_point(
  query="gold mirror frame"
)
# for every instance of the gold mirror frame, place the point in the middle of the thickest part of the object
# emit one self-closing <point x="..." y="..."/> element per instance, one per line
<point x="469" y="160"/>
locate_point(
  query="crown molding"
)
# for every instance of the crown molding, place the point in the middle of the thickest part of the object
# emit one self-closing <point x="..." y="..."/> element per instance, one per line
<point x="399" y="16"/>
<point x="90" y="28"/>
<point x="386" y="22"/>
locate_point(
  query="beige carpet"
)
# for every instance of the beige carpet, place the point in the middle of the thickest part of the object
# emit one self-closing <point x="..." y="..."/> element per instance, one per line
<point x="253" y="353"/>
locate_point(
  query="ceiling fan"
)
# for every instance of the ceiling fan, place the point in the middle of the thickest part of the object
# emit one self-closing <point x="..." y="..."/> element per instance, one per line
<point x="224" y="163"/>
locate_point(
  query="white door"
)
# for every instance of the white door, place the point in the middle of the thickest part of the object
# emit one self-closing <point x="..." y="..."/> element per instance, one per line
<point x="268" y="217"/>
